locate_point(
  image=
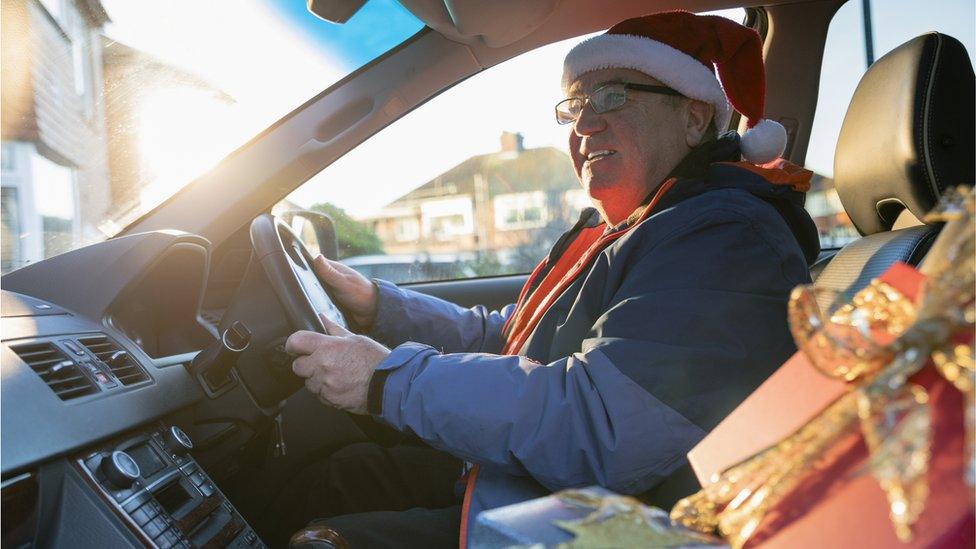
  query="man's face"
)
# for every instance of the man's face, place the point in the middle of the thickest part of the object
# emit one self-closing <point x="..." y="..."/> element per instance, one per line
<point x="646" y="138"/>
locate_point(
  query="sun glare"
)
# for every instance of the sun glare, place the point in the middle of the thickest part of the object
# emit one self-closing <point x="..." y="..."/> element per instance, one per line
<point x="244" y="73"/>
<point x="182" y="133"/>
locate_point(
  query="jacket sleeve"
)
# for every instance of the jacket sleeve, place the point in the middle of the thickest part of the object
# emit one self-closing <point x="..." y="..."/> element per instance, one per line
<point x="604" y="415"/>
<point x="404" y="315"/>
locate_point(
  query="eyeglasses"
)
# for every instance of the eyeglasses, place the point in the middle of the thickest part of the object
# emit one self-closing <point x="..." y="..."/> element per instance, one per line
<point x="604" y="99"/>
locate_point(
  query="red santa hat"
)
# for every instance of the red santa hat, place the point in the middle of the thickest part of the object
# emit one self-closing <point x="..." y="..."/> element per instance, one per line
<point x="685" y="51"/>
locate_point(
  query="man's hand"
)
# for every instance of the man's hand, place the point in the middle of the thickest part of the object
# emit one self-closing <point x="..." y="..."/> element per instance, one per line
<point x="336" y="367"/>
<point x="354" y="292"/>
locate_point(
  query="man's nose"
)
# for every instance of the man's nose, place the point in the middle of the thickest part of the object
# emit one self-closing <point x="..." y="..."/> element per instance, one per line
<point x="589" y="122"/>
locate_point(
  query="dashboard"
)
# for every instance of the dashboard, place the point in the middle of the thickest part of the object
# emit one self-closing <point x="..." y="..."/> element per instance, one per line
<point x="143" y="489"/>
<point x="101" y="406"/>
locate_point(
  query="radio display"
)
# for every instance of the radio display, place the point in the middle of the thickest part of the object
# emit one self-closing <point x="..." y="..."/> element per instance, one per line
<point x="149" y="462"/>
<point x="172" y="496"/>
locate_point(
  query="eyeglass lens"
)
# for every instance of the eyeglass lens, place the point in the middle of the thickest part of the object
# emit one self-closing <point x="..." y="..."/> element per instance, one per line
<point x="604" y="99"/>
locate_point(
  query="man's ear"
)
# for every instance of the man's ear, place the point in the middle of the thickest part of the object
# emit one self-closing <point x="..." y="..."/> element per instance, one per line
<point x="698" y="122"/>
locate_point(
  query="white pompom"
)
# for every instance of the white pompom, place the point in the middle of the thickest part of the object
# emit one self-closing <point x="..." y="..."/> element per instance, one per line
<point x="763" y="142"/>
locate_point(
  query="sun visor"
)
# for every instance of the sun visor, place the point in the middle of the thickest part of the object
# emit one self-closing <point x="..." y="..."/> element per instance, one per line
<point x="495" y="24"/>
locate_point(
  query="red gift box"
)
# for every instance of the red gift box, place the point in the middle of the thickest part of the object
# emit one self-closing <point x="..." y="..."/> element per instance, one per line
<point x="839" y="504"/>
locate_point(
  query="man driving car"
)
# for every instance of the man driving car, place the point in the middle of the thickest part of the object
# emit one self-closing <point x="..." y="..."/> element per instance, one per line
<point x="657" y="313"/>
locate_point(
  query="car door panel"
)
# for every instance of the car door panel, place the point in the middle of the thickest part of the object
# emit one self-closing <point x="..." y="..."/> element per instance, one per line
<point x="493" y="292"/>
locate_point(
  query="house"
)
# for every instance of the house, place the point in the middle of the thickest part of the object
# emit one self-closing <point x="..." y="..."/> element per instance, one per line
<point x="510" y="205"/>
<point x="75" y="167"/>
<point x="134" y="79"/>
<point x="828" y="214"/>
<point x="52" y="126"/>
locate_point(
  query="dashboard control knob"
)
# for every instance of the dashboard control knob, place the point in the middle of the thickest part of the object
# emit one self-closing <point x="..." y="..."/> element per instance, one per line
<point x="120" y="469"/>
<point x="177" y="442"/>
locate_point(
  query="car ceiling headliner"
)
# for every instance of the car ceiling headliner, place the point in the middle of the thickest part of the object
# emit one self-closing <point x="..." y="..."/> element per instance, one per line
<point x="499" y="23"/>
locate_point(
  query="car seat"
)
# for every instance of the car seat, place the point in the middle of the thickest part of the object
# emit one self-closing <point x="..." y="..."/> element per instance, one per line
<point x="908" y="135"/>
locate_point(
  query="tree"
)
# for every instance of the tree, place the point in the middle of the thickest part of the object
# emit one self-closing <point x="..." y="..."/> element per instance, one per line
<point x="354" y="237"/>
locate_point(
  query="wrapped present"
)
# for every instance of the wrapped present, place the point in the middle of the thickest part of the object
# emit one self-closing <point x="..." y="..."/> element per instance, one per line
<point x="837" y="502"/>
<point x="865" y="437"/>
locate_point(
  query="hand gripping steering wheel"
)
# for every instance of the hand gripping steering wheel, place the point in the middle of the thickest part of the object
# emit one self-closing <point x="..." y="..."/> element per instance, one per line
<point x="288" y="267"/>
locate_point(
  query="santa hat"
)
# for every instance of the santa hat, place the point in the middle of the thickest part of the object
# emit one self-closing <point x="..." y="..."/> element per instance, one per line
<point x="683" y="51"/>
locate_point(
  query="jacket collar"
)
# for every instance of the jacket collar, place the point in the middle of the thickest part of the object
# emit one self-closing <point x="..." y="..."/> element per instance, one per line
<point x="716" y="165"/>
<point x="694" y="166"/>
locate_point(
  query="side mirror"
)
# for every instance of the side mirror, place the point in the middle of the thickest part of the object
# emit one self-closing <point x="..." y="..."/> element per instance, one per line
<point x="316" y="229"/>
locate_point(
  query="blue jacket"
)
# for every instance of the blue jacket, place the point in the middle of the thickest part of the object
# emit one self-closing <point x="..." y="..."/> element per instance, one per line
<point x="670" y="328"/>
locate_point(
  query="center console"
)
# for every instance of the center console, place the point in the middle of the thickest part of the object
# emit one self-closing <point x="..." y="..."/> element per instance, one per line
<point x="154" y="485"/>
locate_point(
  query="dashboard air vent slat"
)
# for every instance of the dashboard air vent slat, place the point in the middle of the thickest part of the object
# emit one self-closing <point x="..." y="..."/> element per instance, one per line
<point x="65" y="382"/>
<point x="59" y="373"/>
<point x="123" y="367"/>
<point x="47" y="352"/>
<point x="99" y="346"/>
<point x="42" y="366"/>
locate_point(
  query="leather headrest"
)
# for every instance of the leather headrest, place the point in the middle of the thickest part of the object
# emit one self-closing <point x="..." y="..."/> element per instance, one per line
<point x="908" y="133"/>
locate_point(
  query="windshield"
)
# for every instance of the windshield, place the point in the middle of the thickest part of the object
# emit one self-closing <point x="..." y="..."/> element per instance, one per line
<point x="111" y="107"/>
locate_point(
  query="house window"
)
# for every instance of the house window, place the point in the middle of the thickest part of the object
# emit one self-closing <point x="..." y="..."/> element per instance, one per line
<point x="80" y="65"/>
<point x="575" y="201"/>
<point x="54" y="188"/>
<point x="445" y="219"/>
<point x="446" y="227"/>
<point x="7" y="161"/>
<point x="81" y="57"/>
<point x="823" y="203"/>
<point x="520" y="210"/>
<point x="10" y="225"/>
<point x="406" y="229"/>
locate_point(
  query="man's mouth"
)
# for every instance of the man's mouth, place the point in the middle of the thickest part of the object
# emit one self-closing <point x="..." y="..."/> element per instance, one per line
<point x="599" y="155"/>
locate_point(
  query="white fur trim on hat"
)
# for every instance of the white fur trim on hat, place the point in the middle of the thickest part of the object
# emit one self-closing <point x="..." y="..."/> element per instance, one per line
<point x="763" y="142"/>
<point x="671" y="66"/>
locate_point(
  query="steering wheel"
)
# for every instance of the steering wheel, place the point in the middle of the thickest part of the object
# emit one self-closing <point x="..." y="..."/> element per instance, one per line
<point x="287" y="265"/>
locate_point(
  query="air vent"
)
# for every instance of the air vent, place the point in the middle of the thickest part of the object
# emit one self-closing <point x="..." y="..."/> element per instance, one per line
<point x="63" y="376"/>
<point x="122" y="365"/>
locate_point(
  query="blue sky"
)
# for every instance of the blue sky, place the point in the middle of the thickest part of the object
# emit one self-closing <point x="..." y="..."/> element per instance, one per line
<point x="374" y="29"/>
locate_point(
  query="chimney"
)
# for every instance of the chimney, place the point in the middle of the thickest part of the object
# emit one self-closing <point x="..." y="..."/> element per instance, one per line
<point x="512" y="142"/>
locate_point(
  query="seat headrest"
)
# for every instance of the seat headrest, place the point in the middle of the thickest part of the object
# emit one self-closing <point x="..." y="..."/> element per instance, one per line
<point x="908" y="134"/>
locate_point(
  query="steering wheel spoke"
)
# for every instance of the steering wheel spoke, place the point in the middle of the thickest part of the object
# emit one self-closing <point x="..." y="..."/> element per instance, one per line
<point x="288" y="266"/>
